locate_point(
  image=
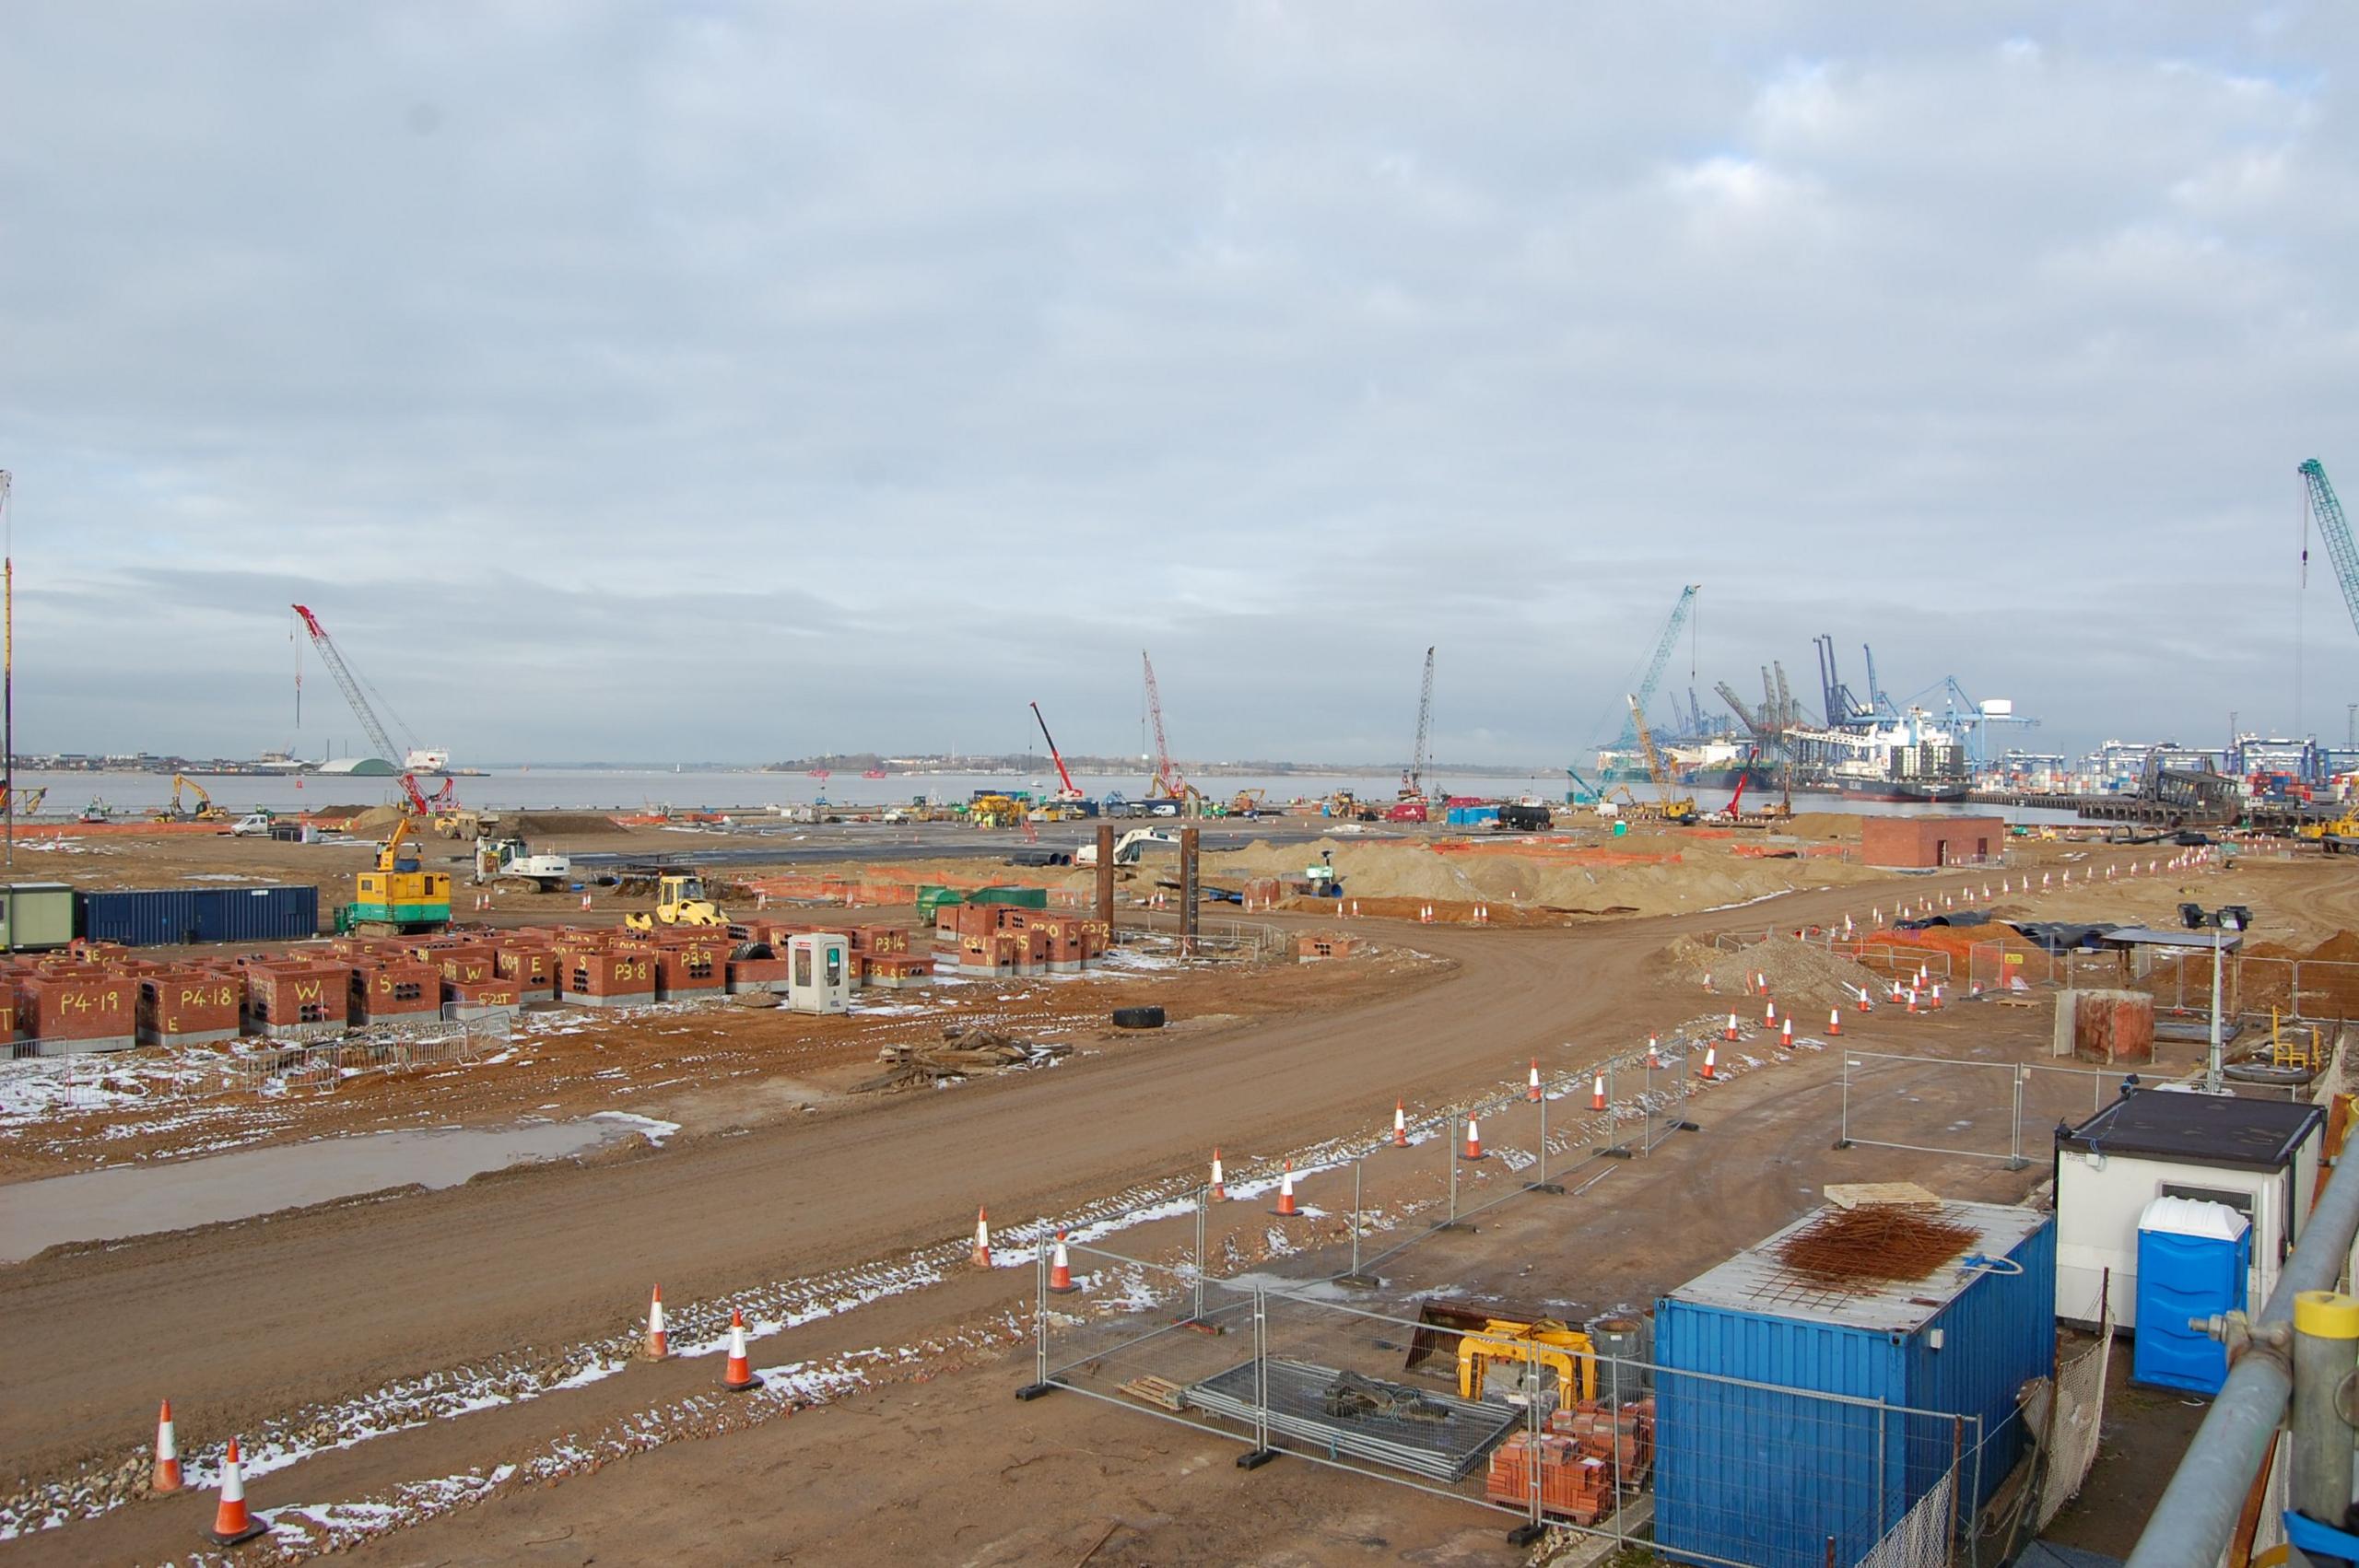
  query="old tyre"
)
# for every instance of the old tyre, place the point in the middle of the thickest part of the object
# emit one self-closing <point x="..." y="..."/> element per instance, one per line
<point x="1138" y="1018"/>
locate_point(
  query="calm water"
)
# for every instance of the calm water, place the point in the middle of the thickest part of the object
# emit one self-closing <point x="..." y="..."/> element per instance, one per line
<point x="646" y="790"/>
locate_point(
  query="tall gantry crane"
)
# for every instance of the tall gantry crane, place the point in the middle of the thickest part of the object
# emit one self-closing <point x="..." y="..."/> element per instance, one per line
<point x="2326" y="511"/>
<point x="1167" y="783"/>
<point x="1068" y="791"/>
<point x="333" y="657"/>
<point x="1413" y="782"/>
<point x="1662" y="658"/>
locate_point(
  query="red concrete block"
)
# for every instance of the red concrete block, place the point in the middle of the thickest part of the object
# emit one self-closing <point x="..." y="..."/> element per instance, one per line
<point x="188" y="1006"/>
<point x="80" y="1012"/>
<point x="391" y="990"/>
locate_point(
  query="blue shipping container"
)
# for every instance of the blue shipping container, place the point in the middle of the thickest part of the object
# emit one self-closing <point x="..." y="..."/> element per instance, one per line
<point x="1473" y="817"/>
<point x="1765" y="1475"/>
<point x="176" y="915"/>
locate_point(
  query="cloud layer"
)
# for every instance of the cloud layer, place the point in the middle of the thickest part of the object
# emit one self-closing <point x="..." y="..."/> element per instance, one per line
<point x="733" y="382"/>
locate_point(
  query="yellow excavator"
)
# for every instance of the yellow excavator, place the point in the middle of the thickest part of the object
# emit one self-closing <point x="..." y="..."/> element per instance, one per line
<point x="1544" y="1343"/>
<point x="401" y="897"/>
<point x="205" y="810"/>
<point x="995" y="811"/>
<point x="681" y="902"/>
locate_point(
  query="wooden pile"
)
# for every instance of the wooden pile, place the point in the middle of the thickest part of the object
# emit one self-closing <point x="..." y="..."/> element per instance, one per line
<point x="960" y="1053"/>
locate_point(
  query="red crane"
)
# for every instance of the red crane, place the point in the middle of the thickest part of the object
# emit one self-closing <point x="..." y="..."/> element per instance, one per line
<point x="333" y="658"/>
<point x="1070" y="793"/>
<point x="1166" y="782"/>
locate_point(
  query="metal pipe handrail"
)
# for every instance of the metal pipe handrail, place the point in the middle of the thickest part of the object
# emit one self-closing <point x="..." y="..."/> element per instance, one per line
<point x="2192" y="1523"/>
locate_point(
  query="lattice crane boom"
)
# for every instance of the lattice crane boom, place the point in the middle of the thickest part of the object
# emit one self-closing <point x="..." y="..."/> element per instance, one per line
<point x="1413" y="782"/>
<point x="1166" y="780"/>
<point x="2326" y="510"/>
<point x="333" y="657"/>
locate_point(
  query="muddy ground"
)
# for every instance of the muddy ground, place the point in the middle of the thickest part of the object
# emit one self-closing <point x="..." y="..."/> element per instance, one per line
<point x="843" y="1233"/>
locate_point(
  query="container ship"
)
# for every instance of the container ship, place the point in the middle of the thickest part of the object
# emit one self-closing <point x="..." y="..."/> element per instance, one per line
<point x="1910" y="760"/>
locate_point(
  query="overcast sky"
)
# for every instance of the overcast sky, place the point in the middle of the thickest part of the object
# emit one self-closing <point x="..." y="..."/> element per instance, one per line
<point x="735" y="382"/>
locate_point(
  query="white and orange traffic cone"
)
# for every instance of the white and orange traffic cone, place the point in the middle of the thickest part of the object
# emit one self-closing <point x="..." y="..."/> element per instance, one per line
<point x="1219" y="1192"/>
<point x="983" y="1239"/>
<point x="1654" y="1056"/>
<point x="1400" y="1124"/>
<point x="1597" y="1091"/>
<point x="1937" y="999"/>
<point x="1834" y="1022"/>
<point x="585" y="901"/>
<point x="1865" y="1005"/>
<point x="737" y="1377"/>
<point x="1286" y="1194"/>
<point x="1768" y="1014"/>
<point x="1060" y="1271"/>
<point x="659" y="1339"/>
<point x="1912" y="1001"/>
<point x="1760" y="983"/>
<point x="1786" y="1033"/>
<point x="1731" y="1034"/>
<point x="1711" y="1068"/>
<point x="1473" y="1141"/>
<point x="1532" y="1092"/>
<point x="166" y="1476"/>
<point x="231" y="1523"/>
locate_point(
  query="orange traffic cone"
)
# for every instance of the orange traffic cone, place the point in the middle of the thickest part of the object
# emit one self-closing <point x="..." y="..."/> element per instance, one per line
<point x="1785" y="1035"/>
<point x="737" y="1377"/>
<point x="167" y="1477"/>
<point x="1400" y="1124"/>
<point x="231" y="1523"/>
<point x="1597" y="1091"/>
<point x="1654" y="1057"/>
<point x="1286" y="1194"/>
<point x="983" y="1239"/>
<point x="1219" y="1193"/>
<point x="585" y="901"/>
<point x="1937" y="999"/>
<point x="1865" y="1005"/>
<point x="659" y="1341"/>
<point x="1473" y="1141"/>
<point x="1731" y="1029"/>
<point x="1533" y="1094"/>
<point x="1912" y="1001"/>
<point x="1769" y="1014"/>
<point x="1711" y="1063"/>
<point x="1060" y="1271"/>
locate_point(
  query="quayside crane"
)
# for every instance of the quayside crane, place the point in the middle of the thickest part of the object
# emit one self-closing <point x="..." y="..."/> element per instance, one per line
<point x="1680" y="810"/>
<point x="1413" y="782"/>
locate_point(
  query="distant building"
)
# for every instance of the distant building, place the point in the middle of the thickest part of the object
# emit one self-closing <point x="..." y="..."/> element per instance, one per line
<point x="359" y="767"/>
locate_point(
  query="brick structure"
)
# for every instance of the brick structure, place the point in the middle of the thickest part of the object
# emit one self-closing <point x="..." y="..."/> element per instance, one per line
<point x="2112" y="1028"/>
<point x="1928" y="843"/>
<point x="293" y="999"/>
<point x="396" y="991"/>
<point x="79" y="1010"/>
<point x="190" y="1007"/>
<point x="1313" y="946"/>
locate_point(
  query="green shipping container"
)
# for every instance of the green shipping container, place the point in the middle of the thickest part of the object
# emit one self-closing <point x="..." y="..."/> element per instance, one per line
<point x="36" y="915"/>
<point x="1021" y="897"/>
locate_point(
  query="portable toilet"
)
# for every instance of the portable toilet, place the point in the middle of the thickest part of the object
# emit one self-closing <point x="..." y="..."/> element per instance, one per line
<point x="2193" y="1258"/>
<point x="818" y="972"/>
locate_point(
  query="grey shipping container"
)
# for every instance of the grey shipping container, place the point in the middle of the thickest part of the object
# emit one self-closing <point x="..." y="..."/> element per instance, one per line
<point x="170" y="916"/>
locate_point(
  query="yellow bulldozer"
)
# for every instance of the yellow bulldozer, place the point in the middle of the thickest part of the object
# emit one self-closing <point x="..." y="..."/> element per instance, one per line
<point x="680" y="901"/>
<point x="1546" y="1345"/>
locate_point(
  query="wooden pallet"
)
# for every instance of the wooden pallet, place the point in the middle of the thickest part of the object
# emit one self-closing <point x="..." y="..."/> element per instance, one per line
<point x="1863" y="1194"/>
<point x="1151" y="1390"/>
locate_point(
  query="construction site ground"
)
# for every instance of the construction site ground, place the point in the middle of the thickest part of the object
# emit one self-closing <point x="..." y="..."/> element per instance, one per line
<point x="442" y="1376"/>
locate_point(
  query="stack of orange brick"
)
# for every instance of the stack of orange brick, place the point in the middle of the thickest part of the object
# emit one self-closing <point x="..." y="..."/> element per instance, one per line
<point x="995" y="941"/>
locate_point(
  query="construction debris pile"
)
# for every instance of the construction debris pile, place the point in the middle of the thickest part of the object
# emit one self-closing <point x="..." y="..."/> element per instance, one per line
<point x="1589" y="1451"/>
<point x="1796" y="971"/>
<point x="961" y="1053"/>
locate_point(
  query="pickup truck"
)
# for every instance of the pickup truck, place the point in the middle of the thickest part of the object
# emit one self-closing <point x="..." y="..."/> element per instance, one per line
<point x="253" y="825"/>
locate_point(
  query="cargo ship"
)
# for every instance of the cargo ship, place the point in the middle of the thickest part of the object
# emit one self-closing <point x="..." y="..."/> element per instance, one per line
<point x="1911" y="761"/>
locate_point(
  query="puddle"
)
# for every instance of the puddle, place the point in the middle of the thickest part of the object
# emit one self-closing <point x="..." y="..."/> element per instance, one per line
<point x="130" y="1200"/>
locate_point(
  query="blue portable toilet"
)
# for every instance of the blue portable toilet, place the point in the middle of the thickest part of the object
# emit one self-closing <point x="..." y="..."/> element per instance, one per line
<point x="2193" y="1259"/>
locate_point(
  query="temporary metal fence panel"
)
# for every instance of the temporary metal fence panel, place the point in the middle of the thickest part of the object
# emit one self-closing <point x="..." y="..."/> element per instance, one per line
<point x="1278" y="1371"/>
<point x="2071" y="1441"/>
<point x="2000" y="1110"/>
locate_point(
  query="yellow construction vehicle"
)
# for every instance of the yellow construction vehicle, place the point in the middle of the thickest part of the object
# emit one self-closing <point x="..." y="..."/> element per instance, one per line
<point x="28" y="801"/>
<point x="400" y="895"/>
<point x="1248" y="802"/>
<point x="681" y="902"/>
<point x="1547" y="1344"/>
<point x="205" y="810"/>
<point x="1671" y="808"/>
<point x="995" y="811"/>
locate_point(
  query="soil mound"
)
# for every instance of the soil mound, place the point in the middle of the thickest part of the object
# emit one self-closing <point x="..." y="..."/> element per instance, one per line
<point x="1797" y="971"/>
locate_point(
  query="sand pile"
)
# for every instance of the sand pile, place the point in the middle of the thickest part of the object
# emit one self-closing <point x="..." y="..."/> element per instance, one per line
<point x="1642" y="874"/>
<point x="1797" y="971"/>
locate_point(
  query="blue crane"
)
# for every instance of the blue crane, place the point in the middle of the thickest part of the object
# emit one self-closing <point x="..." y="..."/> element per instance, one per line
<point x="1662" y="660"/>
<point x="2336" y="531"/>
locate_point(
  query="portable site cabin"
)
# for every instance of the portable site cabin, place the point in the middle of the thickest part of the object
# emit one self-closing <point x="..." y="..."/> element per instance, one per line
<point x="2257" y="1157"/>
<point x="818" y="975"/>
<point x="1796" y="1404"/>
